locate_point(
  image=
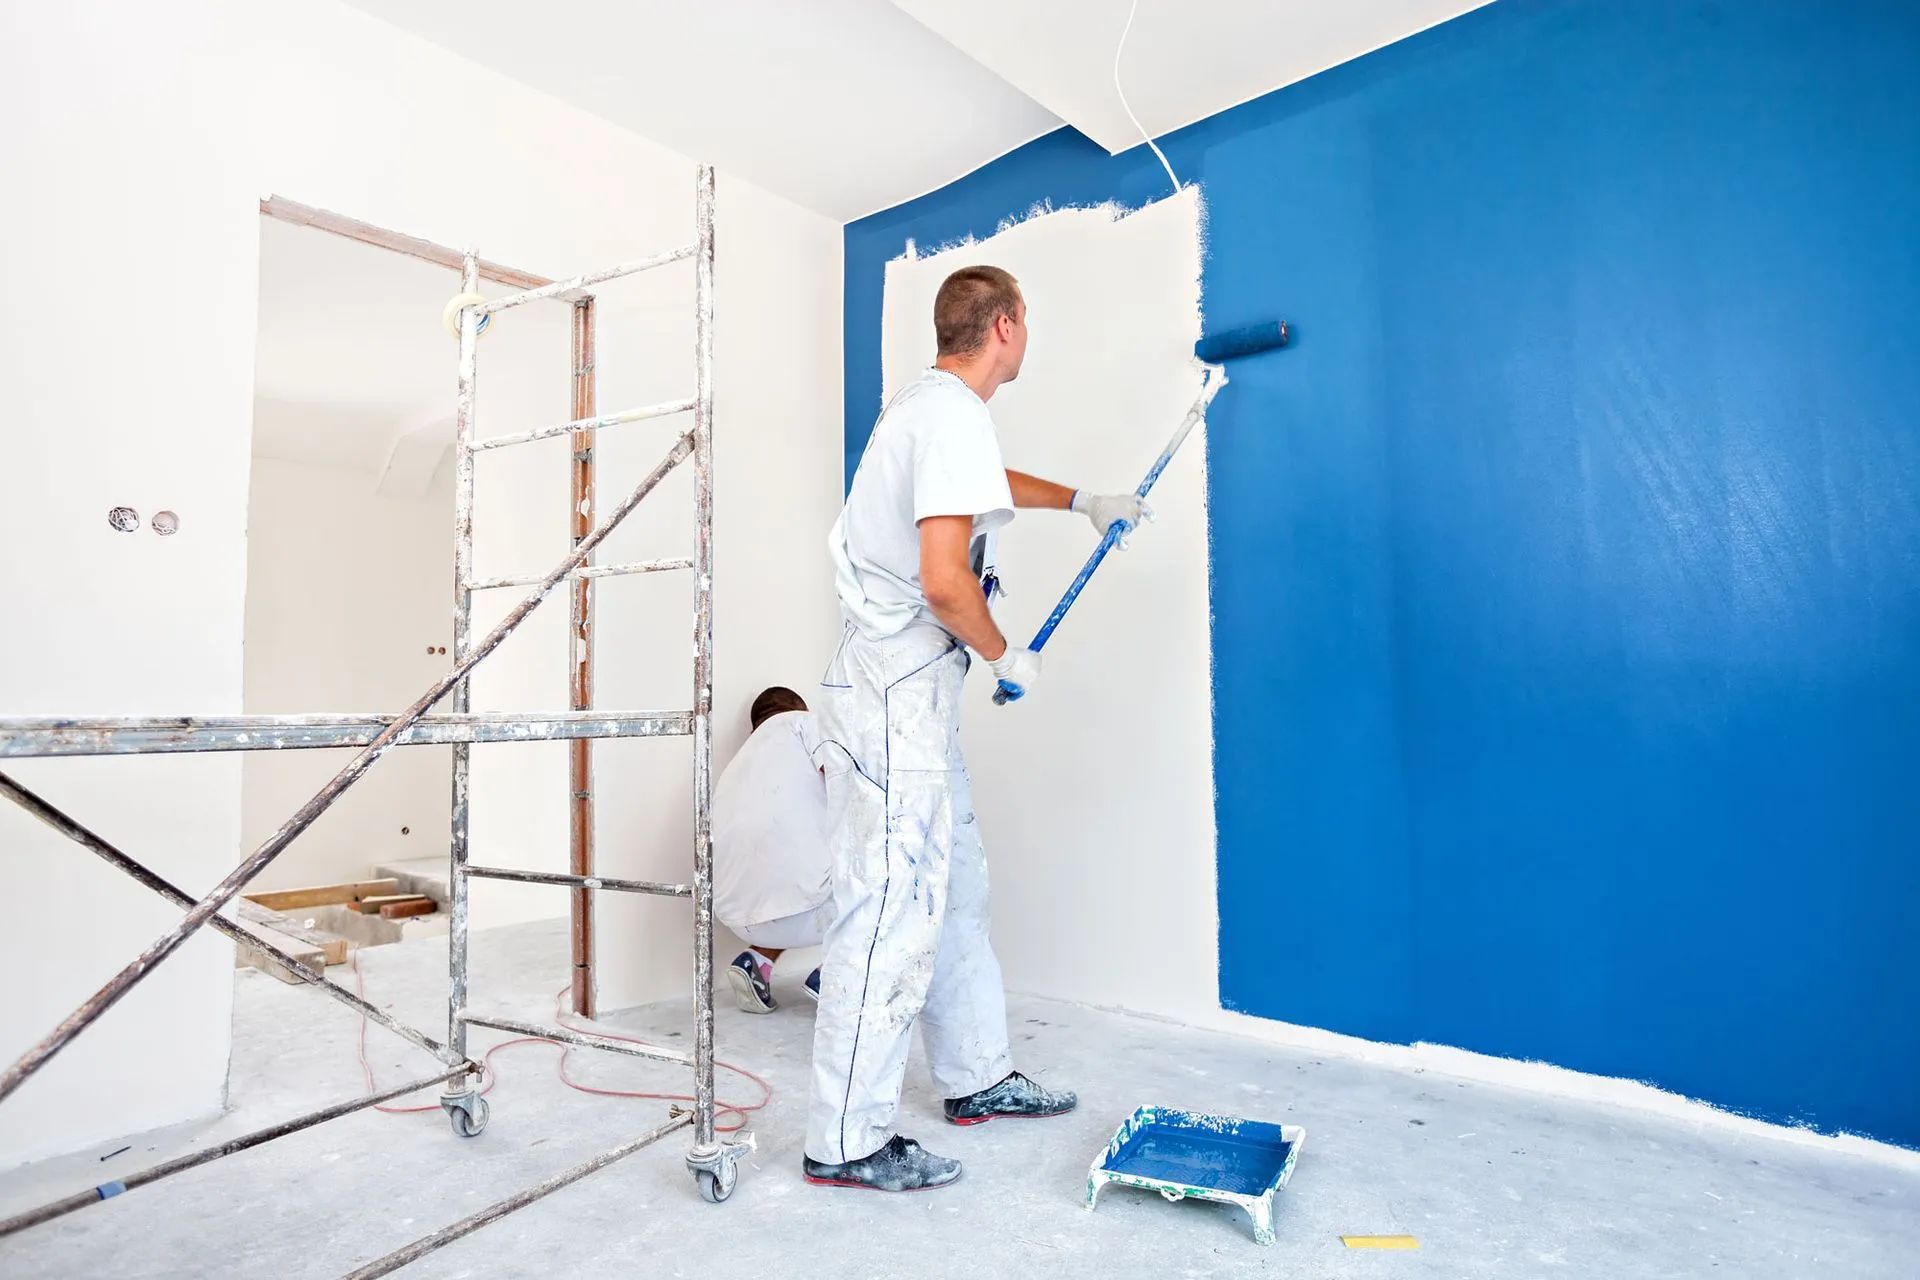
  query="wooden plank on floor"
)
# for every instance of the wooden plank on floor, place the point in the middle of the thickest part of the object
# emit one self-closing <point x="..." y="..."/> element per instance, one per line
<point x="311" y="958"/>
<point x="332" y="945"/>
<point x="369" y="905"/>
<point x="405" y="907"/>
<point x="322" y="895"/>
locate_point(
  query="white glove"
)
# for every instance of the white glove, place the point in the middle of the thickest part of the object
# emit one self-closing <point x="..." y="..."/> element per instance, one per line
<point x="1017" y="667"/>
<point x="1105" y="508"/>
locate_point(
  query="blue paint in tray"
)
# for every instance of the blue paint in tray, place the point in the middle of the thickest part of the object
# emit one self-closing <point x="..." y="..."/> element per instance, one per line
<point x="1246" y="1163"/>
<point x="1190" y="1155"/>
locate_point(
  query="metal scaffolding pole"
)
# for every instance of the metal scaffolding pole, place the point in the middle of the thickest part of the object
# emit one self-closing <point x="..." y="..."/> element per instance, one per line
<point x="665" y="408"/>
<point x="660" y="887"/>
<point x="233" y="1146"/>
<point x="494" y="1212"/>
<point x="703" y="664"/>
<point x="464" y="1092"/>
<point x="713" y="1162"/>
<point x="580" y="1039"/>
<point x="591" y="572"/>
<point x="560" y="287"/>
<point x="155" y="735"/>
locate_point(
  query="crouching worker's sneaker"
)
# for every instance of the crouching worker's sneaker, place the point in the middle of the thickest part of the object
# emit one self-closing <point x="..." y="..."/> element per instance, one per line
<point x="1014" y="1096"/>
<point x="813" y="985"/>
<point x="748" y="976"/>
<point x="901" y="1165"/>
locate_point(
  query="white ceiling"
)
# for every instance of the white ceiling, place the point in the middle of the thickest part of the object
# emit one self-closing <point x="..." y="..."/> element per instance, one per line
<point x="1184" y="59"/>
<point x="842" y="106"/>
<point x="851" y="106"/>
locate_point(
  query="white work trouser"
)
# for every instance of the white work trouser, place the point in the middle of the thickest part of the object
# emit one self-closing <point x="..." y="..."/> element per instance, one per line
<point x="909" y="937"/>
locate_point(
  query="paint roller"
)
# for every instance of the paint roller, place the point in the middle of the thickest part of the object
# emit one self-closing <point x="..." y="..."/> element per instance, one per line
<point x="1212" y="349"/>
<point x="1247" y="340"/>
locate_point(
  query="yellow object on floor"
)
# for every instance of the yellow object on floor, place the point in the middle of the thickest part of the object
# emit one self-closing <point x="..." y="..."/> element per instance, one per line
<point x="1380" y="1242"/>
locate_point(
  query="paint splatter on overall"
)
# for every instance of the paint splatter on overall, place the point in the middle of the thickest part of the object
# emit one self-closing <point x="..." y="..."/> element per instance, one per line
<point x="909" y="943"/>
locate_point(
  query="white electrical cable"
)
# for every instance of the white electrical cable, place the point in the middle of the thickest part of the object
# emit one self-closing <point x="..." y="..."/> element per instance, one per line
<point x="1125" y="31"/>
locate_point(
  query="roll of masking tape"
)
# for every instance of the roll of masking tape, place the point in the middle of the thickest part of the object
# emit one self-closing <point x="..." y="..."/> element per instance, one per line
<point x="450" y="315"/>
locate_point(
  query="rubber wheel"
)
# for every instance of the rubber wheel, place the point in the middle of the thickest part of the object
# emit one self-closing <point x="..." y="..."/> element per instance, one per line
<point x="714" y="1189"/>
<point x="468" y="1122"/>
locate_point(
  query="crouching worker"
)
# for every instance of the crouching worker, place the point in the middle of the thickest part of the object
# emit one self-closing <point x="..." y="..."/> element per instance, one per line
<point x="772" y="867"/>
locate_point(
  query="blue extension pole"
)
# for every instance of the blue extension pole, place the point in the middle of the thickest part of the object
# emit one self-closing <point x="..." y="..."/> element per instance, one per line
<point x="1216" y="378"/>
<point x="1244" y="341"/>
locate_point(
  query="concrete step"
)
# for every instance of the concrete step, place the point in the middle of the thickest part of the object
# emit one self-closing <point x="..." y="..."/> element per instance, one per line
<point x="417" y="875"/>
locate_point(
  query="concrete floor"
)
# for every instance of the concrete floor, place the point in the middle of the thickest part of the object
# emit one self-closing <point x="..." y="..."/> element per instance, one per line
<point x="1494" y="1182"/>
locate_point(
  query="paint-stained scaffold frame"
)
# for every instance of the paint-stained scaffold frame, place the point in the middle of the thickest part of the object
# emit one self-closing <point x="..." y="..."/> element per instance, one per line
<point x="712" y="1161"/>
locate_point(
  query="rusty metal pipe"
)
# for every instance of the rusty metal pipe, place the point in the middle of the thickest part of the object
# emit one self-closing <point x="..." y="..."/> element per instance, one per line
<point x="584" y="989"/>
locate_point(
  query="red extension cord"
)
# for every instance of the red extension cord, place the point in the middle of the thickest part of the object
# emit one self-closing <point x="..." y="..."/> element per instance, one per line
<point x="560" y="1016"/>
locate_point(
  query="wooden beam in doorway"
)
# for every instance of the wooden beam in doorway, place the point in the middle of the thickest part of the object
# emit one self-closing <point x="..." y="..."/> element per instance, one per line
<point x="339" y="224"/>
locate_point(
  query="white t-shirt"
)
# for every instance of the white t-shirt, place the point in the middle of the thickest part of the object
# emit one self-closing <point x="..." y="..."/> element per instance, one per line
<point x="771" y="858"/>
<point x="933" y="453"/>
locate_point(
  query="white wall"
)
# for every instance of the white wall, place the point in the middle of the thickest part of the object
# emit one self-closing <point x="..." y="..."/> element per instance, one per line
<point x="1095" y="792"/>
<point x="138" y="143"/>
<point x="347" y="591"/>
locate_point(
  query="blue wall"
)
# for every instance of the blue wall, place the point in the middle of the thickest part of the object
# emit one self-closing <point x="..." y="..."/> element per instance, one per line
<point x="1566" y="571"/>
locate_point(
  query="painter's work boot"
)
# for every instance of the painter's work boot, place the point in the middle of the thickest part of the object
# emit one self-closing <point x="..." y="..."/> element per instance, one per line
<point x="752" y="985"/>
<point x="901" y="1165"/>
<point x="1014" y="1096"/>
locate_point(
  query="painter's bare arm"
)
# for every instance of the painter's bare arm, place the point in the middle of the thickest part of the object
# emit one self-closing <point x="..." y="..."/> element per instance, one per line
<point x="1032" y="493"/>
<point x="1102" y="509"/>
<point x="952" y="592"/>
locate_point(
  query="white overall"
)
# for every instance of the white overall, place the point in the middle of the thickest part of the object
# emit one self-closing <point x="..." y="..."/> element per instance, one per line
<point x="909" y="937"/>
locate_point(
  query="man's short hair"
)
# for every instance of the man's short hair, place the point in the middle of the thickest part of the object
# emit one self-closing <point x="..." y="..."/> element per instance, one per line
<point x="773" y="702"/>
<point x="969" y="302"/>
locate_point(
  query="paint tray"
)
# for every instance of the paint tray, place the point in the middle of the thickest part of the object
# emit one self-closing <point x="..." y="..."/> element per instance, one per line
<point x="1188" y="1155"/>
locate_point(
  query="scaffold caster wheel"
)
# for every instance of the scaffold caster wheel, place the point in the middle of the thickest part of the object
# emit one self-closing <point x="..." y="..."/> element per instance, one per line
<point x="715" y="1188"/>
<point x="467" y="1112"/>
<point x="716" y="1166"/>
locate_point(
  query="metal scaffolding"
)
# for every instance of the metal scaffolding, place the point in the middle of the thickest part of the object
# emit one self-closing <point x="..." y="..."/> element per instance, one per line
<point x="713" y="1162"/>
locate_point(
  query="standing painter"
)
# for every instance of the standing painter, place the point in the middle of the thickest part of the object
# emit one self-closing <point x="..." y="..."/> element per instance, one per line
<point x="908" y="943"/>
